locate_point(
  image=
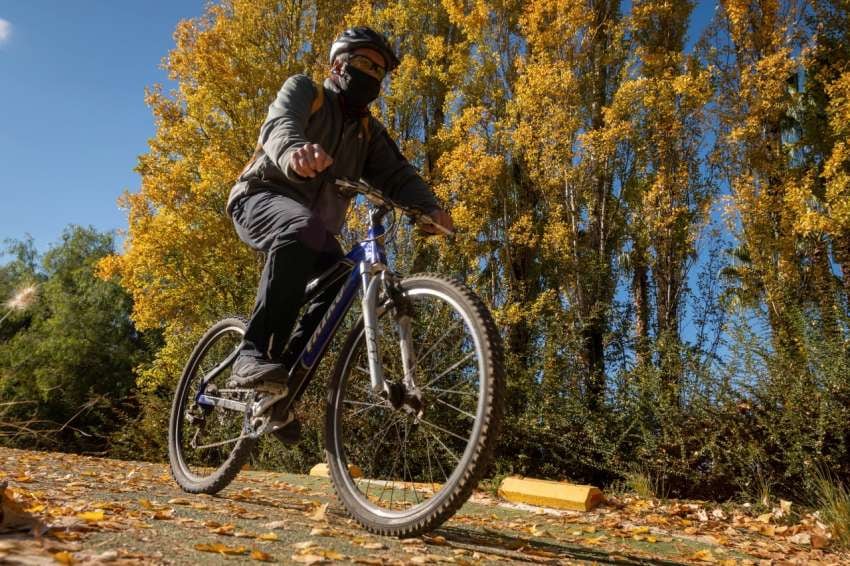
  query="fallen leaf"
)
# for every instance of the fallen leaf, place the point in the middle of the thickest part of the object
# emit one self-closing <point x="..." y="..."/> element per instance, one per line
<point x="276" y="525"/>
<point x="261" y="556"/>
<point x="308" y="558"/>
<point x="164" y="515"/>
<point x="304" y="544"/>
<point x="319" y="532"/>
<point x="221" y="549"/>
<point x="91" y="516"/>
<point x="179" y="501"/>
<point x="225" y="530"/>
<point x="66" y="535"/>
<point x="64" y="557"/>
<point x="12" y="515"/>
<point x="320" y="513"/>
<point x="803" y="539"/>
<point x="819" y="541"/>
<point x="703" y="556"/>
<point x="107" y="556"/>
<point x="373" y="546"/>
<point x="268" y="536"/>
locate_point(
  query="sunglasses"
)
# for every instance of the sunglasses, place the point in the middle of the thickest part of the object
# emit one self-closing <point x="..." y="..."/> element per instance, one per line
<point x="366" y="65"/>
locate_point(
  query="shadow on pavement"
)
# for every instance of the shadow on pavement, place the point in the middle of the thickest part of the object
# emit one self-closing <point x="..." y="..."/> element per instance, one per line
<point x="518" y="548"/>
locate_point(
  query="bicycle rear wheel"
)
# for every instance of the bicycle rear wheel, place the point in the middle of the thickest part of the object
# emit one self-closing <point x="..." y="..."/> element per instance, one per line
<point x="421" y="463"/>
<point x="207" y="444"/>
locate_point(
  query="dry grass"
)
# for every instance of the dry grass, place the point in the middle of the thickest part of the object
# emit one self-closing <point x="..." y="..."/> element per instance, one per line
<point x="833" y="500"/>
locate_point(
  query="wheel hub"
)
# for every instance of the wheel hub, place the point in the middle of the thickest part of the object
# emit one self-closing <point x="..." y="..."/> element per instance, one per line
<point x="401" y="398"/>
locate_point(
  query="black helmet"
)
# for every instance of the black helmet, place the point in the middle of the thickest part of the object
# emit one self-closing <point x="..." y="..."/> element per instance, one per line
<point x="361" y="36"/>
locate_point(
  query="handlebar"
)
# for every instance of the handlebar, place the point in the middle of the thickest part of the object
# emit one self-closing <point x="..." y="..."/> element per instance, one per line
<point x="350" y="187"/>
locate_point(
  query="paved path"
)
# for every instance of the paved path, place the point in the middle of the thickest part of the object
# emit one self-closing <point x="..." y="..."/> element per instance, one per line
<point x="97" y="510"/>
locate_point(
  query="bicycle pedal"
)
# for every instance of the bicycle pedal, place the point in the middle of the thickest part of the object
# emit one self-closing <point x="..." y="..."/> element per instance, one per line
<point x="264" y="403"/>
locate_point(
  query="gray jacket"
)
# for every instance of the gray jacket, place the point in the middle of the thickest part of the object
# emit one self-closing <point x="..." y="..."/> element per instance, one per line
<point x="373" y="156"/>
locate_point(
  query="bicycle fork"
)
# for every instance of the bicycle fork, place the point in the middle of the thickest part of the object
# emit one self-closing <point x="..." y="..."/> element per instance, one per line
<point x="405" y="394"/>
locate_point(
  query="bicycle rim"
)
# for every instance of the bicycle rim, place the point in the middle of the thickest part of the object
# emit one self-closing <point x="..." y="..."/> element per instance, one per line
<point x="206" y="437"/>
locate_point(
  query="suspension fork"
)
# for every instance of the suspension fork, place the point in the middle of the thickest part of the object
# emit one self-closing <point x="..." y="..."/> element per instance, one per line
<point x="371" y="287"/>
<point x="404" y="314"/>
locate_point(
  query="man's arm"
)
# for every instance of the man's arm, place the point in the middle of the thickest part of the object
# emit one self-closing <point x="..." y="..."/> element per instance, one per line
<point x="388" y="170"/>
<point x="283" y="133"/>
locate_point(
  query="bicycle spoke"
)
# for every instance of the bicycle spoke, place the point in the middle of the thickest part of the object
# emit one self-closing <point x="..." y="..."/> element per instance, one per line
<point x="432" y="425"/>
<point x="369" y="408"/>
<point x="448" y="391"/>
<point x="446" y="448"/>
<point x="221" y="443"/>
<point x="461" y="411"/>
<point x="452" y="368"/>
<point x="432" y="348"/>
<point x="406" y="468"/>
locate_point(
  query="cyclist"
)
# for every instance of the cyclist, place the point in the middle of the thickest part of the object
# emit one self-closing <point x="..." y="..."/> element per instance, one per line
<point x="285" y="204"/>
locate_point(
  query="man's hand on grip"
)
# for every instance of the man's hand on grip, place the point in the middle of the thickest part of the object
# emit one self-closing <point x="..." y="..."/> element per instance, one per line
<point x="310" y="160"/>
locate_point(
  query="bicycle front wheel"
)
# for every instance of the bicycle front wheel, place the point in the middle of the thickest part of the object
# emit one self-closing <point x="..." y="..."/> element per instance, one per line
<point x="402" y="471"/>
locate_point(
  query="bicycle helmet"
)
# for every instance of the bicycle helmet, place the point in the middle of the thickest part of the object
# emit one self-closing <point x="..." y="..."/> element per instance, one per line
<point x="362" y="36"/>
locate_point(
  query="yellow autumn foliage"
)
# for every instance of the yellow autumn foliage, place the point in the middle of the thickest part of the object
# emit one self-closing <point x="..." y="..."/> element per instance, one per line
<point x="182" y="262"/>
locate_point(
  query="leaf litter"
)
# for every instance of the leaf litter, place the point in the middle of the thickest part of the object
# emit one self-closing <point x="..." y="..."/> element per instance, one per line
<point x="72" y="502"/>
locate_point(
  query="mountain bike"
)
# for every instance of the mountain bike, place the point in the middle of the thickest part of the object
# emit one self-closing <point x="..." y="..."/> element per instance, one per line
<point x="414" y="401"/>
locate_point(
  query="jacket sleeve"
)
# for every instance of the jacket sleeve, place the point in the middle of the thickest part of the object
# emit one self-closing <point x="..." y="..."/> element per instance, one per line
<point x="283" y="131"/>
<point x="388" y="170"/>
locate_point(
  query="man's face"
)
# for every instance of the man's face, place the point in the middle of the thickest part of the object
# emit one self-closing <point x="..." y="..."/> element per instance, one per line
<point x="373" y="65"/>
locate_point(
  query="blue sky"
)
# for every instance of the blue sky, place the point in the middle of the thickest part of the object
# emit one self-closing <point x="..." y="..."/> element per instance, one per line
<point x="72" y="114"/>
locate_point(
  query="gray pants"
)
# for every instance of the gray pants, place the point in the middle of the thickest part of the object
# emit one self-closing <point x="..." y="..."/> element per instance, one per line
<point x="298" y="248"/>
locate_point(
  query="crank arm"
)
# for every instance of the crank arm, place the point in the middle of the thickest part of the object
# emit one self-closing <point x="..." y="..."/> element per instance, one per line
<point x="209" y="401"/>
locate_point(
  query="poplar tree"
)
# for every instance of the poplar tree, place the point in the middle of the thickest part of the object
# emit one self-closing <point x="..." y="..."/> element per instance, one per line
<point x="663" y="101"/>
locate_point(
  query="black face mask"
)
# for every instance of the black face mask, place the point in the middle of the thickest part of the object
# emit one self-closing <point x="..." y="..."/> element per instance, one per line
<point x="358" y="89"/>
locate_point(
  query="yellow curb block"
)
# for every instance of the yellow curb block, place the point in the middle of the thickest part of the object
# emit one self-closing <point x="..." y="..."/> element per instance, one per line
<point x="546" y="493"/>
<point x="321" y="471"/>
